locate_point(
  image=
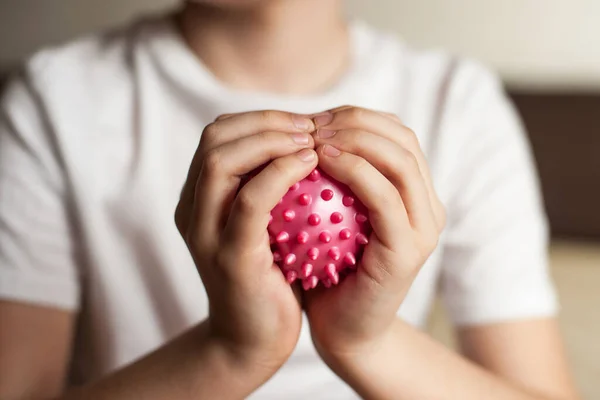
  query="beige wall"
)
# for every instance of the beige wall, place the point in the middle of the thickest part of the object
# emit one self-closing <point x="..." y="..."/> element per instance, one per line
<point x="27" y="24"/>
<point x="531" y="42"/>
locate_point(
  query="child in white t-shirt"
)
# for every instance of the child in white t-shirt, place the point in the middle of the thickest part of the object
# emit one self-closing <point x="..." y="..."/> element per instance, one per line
<point x="101" y="298"/>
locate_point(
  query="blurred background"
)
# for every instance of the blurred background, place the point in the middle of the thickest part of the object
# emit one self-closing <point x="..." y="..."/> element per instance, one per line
<point x="547" y="51"/>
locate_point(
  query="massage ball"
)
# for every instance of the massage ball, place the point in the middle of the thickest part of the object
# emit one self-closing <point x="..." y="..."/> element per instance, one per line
<point x="318" y="231"/>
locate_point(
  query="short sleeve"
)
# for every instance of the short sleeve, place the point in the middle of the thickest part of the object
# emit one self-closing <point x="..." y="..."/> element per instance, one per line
<point x="495" y="253"/>
<point x="37" y="252"/>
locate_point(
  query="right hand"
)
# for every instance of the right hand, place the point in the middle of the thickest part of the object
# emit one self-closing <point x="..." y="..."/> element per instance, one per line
<point x="253" y="312"/>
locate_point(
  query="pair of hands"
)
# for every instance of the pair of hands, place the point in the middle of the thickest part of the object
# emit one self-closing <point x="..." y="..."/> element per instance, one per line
<point x="254" y="313"/>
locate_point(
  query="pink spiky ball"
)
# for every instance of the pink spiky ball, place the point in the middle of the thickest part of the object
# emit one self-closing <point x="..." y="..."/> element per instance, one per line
<point x="318" y="231"/>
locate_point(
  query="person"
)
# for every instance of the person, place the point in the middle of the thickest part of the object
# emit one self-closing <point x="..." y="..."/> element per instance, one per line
<point x="101" y="297"/>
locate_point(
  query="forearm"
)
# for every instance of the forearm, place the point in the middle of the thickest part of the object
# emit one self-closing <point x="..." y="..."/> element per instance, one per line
<point x="193" y="366"/>
<point x="410" y="365"/>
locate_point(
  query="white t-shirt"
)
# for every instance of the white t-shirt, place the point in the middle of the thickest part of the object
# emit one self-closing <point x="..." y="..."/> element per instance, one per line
<point x="96" y="138"/>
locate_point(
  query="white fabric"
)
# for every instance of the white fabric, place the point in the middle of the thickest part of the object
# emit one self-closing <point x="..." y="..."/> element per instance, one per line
<point x="96" y="138"/>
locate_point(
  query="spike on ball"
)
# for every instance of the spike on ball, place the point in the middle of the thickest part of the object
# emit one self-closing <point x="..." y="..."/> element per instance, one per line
<point x="361" y="218"/>
<point x="336" y="217"/>
<point x="314" y="219"/>
<point x="362" y="239"/>
<point x="302" y="237"/>
<point x="314" y="176"/>
<point x="327" y="194"/>
<point x="289" y="215"/>
<point x="291" y="276"/>
<point x="282" y="237"/>
<point x="305" y="199"/>
<point x="348" y="201"/>
<point x="334" y="253"/>
<point x="332" y="273"/>
<point x="345" y="234"/>
<point x="325" y="237"/>
<point x="307" y="269"/>
<point x="289" y="259"/>
<point x="313" y="253"/>
<point x="350" y="259"/>
<point x="310" y="283"/>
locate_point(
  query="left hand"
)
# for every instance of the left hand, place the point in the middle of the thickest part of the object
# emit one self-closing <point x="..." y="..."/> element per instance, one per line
<point x="381" y="161"/>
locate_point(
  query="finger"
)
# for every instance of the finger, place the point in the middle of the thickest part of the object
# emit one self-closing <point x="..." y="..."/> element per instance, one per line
<point x="237" y="126"/>
<point x="186" y="198"/>
<point x="376" y="122"/>
<point x="393" y="116"/>
<point x="396" y="164"/>
<point x="387" y="212"/>
<point x="222" y="167"/>
<point x="229" y="127"/>
<point x="252" y="206"/>
<point x="390" y="115"/>
<point x="389" y="127"/>
<point x="224" y="116"/>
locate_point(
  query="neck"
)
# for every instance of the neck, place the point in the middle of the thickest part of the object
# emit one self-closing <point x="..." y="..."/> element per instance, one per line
<point x="270" y="46"/>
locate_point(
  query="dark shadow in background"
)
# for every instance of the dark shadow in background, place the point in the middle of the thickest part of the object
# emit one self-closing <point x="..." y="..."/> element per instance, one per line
<point x="564" y="130"/>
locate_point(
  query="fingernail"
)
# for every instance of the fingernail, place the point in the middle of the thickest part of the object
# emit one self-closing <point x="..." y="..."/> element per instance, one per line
<point x="331" y="151"/>
<point x="300" y="138"/>
<point x="325" y="133"/>
<point x="323" y="120"/>
<point x="306" y="155"/>
<point x="302" y="122"/>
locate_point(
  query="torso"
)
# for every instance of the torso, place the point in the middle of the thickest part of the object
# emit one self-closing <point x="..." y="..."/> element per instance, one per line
<point x="127" y="152"/>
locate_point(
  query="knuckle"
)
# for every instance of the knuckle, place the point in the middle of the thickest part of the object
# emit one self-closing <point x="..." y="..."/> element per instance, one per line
<point x="390" y="200"/>
<point x="359" y="167"/>
<point x="246" y="202"/>
<point x="356" y="114"/>
<point x="430" y="241"/>
<point x="395" y="117"/>
<point x="211" y="130"/>
<point x="355" y="136"/>
<point x="407" y="163"/>
<point x="263" y="137"/>
<point x="268" y="117"/>
<point x="213" y="161"/>
<point x="340" y="108"/>
<point x="412" y="141"/>
<point x="223" y="116"/>
<point x="412" y="161"/>
<point x="180" y="219"/>
<point x="279" y="167"/>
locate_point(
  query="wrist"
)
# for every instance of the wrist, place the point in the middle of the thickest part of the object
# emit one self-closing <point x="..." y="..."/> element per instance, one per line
<point x="245" y="359"/>
<point x="359" y="362"/>
<point x="223" y="365"/>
